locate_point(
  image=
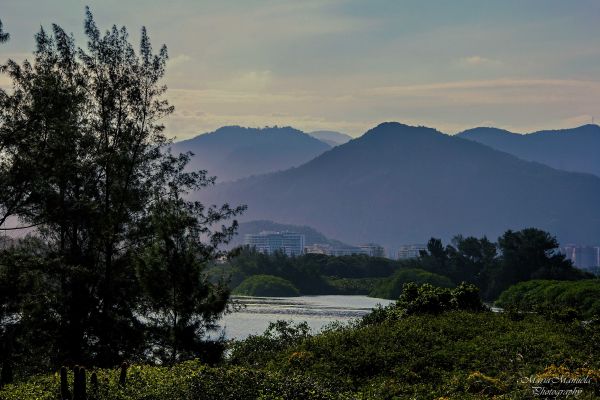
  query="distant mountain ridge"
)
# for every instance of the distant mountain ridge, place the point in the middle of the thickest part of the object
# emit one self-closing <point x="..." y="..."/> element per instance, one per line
<point x="401" y="184"/>
<point x="332" y="138"/>
<point x="576" y="149"/>
<point x="234" y="152"/>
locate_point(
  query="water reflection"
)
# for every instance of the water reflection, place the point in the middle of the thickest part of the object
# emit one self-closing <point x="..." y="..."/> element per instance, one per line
<point x="317" y="311"/>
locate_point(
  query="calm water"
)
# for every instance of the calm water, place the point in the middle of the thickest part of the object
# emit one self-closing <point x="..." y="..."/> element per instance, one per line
<point x="317" y="311"/>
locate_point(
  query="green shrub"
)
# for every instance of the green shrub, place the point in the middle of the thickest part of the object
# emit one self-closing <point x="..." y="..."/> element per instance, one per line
<point x="354" y="286"/>
<point x="559" y="299"/>
<point x="256" y="350"/>
<point x="266" y="286"/>
<point x="188" y="380"/>
<point x="428" y="299"/>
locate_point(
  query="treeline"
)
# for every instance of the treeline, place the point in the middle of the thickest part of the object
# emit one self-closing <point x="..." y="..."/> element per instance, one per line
<point x="493" y="267"/>
<point x="113" y="266"/>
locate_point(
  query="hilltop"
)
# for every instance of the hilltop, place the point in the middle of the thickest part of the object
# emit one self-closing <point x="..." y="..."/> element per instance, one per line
<point x="576" y="149"/>
<point x="234" y="152"/>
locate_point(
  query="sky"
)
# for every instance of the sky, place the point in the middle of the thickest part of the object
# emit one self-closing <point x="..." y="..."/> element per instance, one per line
<point x="347" y="65"/>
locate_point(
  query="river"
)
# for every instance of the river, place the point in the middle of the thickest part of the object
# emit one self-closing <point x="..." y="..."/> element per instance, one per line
<point x="318" y="311"/>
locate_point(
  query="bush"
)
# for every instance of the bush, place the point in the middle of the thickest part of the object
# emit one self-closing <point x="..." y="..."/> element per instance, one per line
<point x="559" y="299"/>
<point x="188" y="380"/>
<point x="266" y="286"/>
<point x="354" y="286"/>
<point x="428" y="299"/>
<point x="257" y="349"/>
<point x="456" y="354"/>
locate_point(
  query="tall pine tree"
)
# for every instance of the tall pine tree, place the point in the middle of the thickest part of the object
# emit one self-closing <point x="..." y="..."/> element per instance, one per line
<point x="84" y="161"/>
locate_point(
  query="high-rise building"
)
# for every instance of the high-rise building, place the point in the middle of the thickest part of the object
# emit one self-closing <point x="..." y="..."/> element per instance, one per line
<point x="373" y="249"/>
<point x="407" y="251"/>
<point x="584" y="257"/>
<point x="318" y="248"/>
<point x="346" y="251"/>
<point x="290" y="243"/>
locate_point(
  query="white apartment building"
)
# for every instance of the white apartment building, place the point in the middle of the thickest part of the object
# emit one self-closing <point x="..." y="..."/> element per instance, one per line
<point x="408" y="251"/>
<point x="290" y="243"/>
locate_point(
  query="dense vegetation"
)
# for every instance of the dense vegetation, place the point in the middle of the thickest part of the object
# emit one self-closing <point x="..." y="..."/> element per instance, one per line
<point x="582" y="297"/>
<point x="433" y="343"/>
<point x="266" y="286"/>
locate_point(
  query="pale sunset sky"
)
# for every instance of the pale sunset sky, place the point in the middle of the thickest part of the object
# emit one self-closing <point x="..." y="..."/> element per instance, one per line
<point x="348" y="65"/>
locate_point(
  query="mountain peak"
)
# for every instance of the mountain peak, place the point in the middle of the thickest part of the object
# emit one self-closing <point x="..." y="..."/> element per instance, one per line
<point x="398" y="134"/>
<point x="234" y="152"/>
<point x="574" y="149"/>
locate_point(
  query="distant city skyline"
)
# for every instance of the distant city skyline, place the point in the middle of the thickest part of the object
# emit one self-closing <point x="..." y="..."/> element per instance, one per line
<point x="347" y="65"/>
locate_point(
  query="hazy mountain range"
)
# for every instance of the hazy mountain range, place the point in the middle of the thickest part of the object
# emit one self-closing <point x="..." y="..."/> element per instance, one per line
<point x="402" y="184"/>
<point x="233" y="152"/>
<point x="332" y="138"/>
<point x="576" y="149"/>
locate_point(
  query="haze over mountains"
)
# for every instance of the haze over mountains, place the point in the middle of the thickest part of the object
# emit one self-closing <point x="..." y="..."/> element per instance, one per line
<point x="402" y="184"/>
<point x="332" y="138"/>
<point x="576" y="149"/>
<point x="233" y="152"/>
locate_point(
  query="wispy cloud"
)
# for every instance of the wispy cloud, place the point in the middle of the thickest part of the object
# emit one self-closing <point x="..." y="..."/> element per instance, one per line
<point x="350" y="64"/>
<point x="179" y="59"/>
<point x="476" y="61"/>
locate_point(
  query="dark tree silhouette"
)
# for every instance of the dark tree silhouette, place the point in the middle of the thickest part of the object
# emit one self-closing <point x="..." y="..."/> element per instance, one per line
<point x="84" y="160"/>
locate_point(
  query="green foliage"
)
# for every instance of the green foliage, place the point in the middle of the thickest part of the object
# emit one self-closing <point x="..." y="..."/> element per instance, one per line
<point x="312" y="274"/>
<point x="391" y="288"/>
<point x="180" y="303"/>
<point x="266" y="286"/>
<point x="455" y="354"/>
<point x="354" y="286"/>
<point x="307" y="278"/>
<point x="428" y="299"/>
<point x="187" y="380"/>
<point x="577" y="298"/>
<point x="523" y="255"/>
<point x="256" y="350"/>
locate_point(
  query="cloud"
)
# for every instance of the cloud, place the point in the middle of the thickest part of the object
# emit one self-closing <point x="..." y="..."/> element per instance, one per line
<point x="254" y="100"/>
<point x="251" y="81"/>
<point x="178" y="60"/>
<point x="476" y="61"/>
